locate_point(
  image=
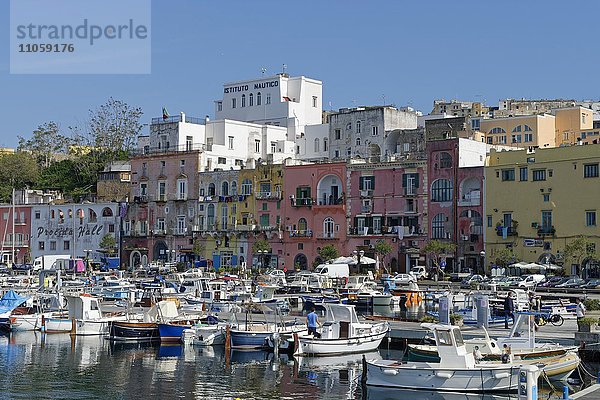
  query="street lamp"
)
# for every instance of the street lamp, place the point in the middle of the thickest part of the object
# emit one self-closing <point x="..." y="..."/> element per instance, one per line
<point x="358" y="255"/>
<point x="87" y="259"/>
<point x="262" y="254"/>
<point x="482" y="254"/>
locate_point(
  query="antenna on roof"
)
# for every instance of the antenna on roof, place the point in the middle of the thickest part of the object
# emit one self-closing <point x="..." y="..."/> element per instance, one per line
<point x="263" y="70"/>
<point x="284" y="67"/>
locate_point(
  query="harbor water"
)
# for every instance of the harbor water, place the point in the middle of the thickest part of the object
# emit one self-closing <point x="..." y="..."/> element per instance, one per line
<point x="38" y="366"/>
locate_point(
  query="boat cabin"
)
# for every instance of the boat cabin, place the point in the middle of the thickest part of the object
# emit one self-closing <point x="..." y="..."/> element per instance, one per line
<point x="84" y="307"/>
<point x="340" y="321"/>
<point x="451" y="346"/>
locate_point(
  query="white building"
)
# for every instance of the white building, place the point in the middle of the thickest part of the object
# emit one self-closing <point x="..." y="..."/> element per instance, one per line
<point x="72" y="229"/>
<point x="314" y="144"/>
<point x="280" y="100"/>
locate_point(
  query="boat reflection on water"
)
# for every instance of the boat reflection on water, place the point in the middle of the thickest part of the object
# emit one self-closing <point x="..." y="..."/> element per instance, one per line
<point x="335" y="362"/>
<point x="379" y="393"/>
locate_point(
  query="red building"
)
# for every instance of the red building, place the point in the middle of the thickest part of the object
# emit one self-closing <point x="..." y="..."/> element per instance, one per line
<point x="19" y="232"/>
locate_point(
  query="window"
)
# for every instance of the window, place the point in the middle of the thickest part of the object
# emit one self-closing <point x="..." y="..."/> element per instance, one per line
<point x="265" y="206"/>
<point x="406" y="147"/>
<point x="188" y="144"/>
<point x="497" y="130"/>
<point x="246" y="187"/>
<point x="37" y="215"/>
<point x="258" y="97"/>
<point x="41" y="245"/>
<point x="502" y="139"/>
<point x="349" y="151"/>
<point x="52" y="245"/>
<point x="221" y="160"/>
<point x="445" y="160"/>
<point x="224" y="216"/>
<point x="546" y="220"/>
<point x="358" y="126"/>
<point x="219" y="106"/>
<point x="317" y="147"/>
<point x="590" y="170"/>
<point x="182" y="189"/>
<point x="438" y="230"/>
<point x="367" y="183"/>
<point x="523" y="175"/>
<point x="268" y="98"/>
<point x="528" y="137"/>
<point x="590" y="218"/>
<point x="338" y="134"/>
<point x="328" y="227"/>
<point x="230" y="142"/>
<point x="251" y="99"/>
<point x="358" y="141"/>
<point x="257" y="146"/>
<point x="507" y="220"/>
<point x="336" y="154"/>
<point x="181" y="224"/>
<point x="475" y="124"/>
<point x="325" y="142"/>
<point x="489" y="221"/>
<point x="300" y="246"/>
<point x="212" y="190"/>
<point x="527" y="128"/>
<point x="508" y="174"/>
<point x="264" y="220"/>
<point x="489" y="140"/>
<point x="583" y="118"/>
<point x="546" y="197"/>
<point x="374" y="130"/>
<point x="160" y="225"/>
<point x="441" y="190"/>
<point x="516" y="138"/>
<point x="243" y="100"/>
<point x="66" y="245"/>
<point x="314" y="101"/>
<point x="539" y="174"/>
<point x="225" y="188"/>
<point x="518" y="128"/>
<point x="233" y="102"/>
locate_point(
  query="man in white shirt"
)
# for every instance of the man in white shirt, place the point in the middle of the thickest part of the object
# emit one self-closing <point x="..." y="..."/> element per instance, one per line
<point x="580" y="310"/>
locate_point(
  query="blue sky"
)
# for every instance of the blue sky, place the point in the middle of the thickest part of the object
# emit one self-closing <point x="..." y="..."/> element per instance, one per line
<point x="409" y="52"/>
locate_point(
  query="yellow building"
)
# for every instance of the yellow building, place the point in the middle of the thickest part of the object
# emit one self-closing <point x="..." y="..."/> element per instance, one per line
<point x="521" y="131"/>
<point x="538" y="201"/>
<point x="570" y="122"/>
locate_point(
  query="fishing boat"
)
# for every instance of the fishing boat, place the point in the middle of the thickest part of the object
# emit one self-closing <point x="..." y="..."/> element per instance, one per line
<point x="172" y="331"/>
<point x="207" y="332"/>
<point x="146" y="329"/>
<point x="457" y="370"/>
<point x="342" y="333"/>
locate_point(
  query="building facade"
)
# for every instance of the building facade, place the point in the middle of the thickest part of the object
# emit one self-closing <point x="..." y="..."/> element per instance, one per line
<point x="15" y="228"/>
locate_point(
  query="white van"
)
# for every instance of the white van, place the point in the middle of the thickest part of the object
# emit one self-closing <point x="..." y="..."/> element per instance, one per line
<point x="419" y="272"/>
<point x="334" y="270"/>
<point x="531" y="281"/>
<point x="47" y="262"/>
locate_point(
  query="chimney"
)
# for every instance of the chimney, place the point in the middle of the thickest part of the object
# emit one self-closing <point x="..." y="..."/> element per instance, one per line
<point x="206" y="119"/>
<point x="182" y="115"/>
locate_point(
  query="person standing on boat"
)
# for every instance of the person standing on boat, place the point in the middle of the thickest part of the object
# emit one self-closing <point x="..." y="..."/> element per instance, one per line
<point x="312" y="320"/>
<point x="477" y="354"/>
<point x="580" y="310"/>
<point x="509" y="308"/>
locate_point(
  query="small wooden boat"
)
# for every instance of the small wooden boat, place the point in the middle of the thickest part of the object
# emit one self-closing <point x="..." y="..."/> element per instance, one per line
<point x="133" y="330"/>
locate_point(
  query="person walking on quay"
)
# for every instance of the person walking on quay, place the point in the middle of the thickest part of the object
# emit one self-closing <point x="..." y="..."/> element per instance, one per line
<point x="580" y="310"/>
<point x="509" y="308"/>
<point x="312" y="320"/>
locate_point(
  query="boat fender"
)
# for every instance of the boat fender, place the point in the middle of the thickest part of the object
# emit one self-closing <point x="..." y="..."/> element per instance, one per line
<point x="444" y="374"/>
<point x="392" y="372"/>
<point x="501" y="375"/>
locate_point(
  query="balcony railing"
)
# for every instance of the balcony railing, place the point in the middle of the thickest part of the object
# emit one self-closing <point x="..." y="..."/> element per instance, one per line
<point x="327" y="236"/>
<point x="303" y="233"/>
<point x="404" y="231"/>
<point x="177" y="118"/>
<point x="546" y="231"/>
<point x="268" y="195"/>
<point x="366" y="193"/>
<point x="188" y="147"/>
<point x="510" y="231"/>
<point x="470" y="199"/>
<point x="302" y="202"/>
<point x="18" y="243"/>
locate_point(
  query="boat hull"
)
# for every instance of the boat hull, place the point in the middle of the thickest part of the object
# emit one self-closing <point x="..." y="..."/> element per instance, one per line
<point x="134" y="331"/>
<point x="249" y="339"/>
<point x="308" y="345"/>
<point x="423" y="376"/>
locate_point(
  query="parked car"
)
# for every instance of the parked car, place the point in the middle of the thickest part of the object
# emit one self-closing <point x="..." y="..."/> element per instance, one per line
<point x="551" y="281"/>
<point x="558" y="282"/>
<point x="403" y="279"/>
<point x="592" y="283"/>
<point x="22" y="267"/>
<point x="3" y="269"/>
<point x="419" y="272"/>
<point x="509" y="281"/>
<point x="531" y="281"/>
<point x="571" y="283"/>
<point x="471" y="280"/>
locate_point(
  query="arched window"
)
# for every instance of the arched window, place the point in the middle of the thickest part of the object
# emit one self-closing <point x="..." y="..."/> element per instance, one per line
<point x="497" y="130"/>
<point x="358" y="126"/>
<point x="518" y="128"/>
<point x="225" y="188"/>
<point x="210" y="216"/>
<point x="445" y="160"/>
<point x="258" y="97"/>
<point x="358" y="141"/>
<point x="107" y="212"/>
<point x="527" y="128"/>
<point x="211" y="189"/>
<point x="302" y="225"/>
<point x="233" y="188"/>
<point x="317" y="147"/>
<point x="441" y="190"/>
<point x="251" y="99"/>
<point x="93" y="217"/>
<point x="247" y="187"/>
<point x="325" y="144"/>
<point x="328" y="227"/>
<point x="243" y="100"/>
<point x="438" y="230"/>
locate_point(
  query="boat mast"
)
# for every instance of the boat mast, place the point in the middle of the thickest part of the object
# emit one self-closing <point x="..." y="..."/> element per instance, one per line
<point x="12" y="254"/>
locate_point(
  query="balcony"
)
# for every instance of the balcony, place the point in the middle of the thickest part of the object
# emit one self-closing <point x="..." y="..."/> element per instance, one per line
<point x="477" y="230"/>
<point x="366" y="208"/>
<point x="366" y="193"/>
<point x="327" y="236"/>
<point x="268" y="195"/>
<point x="18" y="243"/>
<point x="410" y="191"/>
<point x="302" y="202"/>
<point x="301" y="234"/>
<point x="267" y="228"/>
<point x="161" y="198"/>
<point x="245" y="228"/>
<point x="160" y="232"/>
<point x="181" y="197"/>
<point x="140" y="199"/>
<point x="510" y="231"/>
<point x="471" y="199"/>
<point x="546" y="231"/>
<point x="20" y="221"/>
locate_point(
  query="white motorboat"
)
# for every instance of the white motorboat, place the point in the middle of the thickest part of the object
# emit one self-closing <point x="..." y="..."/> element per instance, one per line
<point x="456" y="371"/>
<point x="342" y="333"/>
<point x="87" y="317"/>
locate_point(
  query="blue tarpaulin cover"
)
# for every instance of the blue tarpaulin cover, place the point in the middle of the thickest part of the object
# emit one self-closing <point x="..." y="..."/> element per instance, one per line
<point x="10" y="301"/>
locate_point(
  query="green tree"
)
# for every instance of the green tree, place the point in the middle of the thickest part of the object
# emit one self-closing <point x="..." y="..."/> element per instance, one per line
<point x="45" y="143"/>
<point x="437" y="251"/>
<point x="578" y="250"/>
<point x="108" y="243"/>
<point x="504" y="257"/>
<point x="383" y="248"/>
<point x="199" y="247"/>
<point x="17" y="170"/>
<point x="261" y="245"/>
<point x="329" y="252"/>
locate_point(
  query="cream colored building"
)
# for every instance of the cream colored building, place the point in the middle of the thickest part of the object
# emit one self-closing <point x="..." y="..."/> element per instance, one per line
<point x="570" y="122"/>
<point x="538" y="201"/>
<point x="521" y="131"/>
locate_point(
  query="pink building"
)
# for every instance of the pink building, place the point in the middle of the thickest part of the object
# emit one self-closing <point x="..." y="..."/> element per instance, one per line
<point x="20" y="235"/>
<point x="456" y="215"/>
<point x="388" y="202"/>
<point x="315" y="212"/>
